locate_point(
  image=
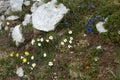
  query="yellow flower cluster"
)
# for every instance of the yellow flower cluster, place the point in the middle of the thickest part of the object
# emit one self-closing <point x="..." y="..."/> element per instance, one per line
<point x="24" y="58"/>
<point x="12" y="54"/>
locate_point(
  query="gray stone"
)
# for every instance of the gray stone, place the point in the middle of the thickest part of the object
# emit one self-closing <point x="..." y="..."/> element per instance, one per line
<point x="4" y="4"/>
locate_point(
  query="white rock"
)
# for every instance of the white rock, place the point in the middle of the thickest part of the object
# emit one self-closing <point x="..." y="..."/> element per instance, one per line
<point x="12" y="17"/>
<point x="26" y="3"/>
<point x="6" y="28"/>
<point x="36" y="5"/>
<point x="27" y="19"/>
<point x="4" y="4"/>
<point x="16" y="5"/>
<point x="8" y="11"/>
<point x="0" y="25"/>
<point x="37" y="0"/>
<point x="20" y="72"/>
<point x="2" y="18"/>
<point x="11" y="29"/>
<point x="17" y="35"/>
<point x="100" y="27"/>
<point x="48" y="15"/>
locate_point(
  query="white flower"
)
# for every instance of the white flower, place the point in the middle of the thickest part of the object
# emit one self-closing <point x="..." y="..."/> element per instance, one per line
<point x="54" y="59"/>
<point x="28" y="62"/>
<point x="50" y="63"/>
<point x="8" y="23"/>
<point x="38" y="39"/>
<point x="84" y="35"/>
<point x="69" y="46"/>
<point x="41" y="39"/>
<point x="39" y="44"/>
<point x="71" y="38"/>
<point x="70" y="32"/>
<point x="21" y="57"/>
<point x="96" y="59"/>
<point x="70" y="41"/>
<point x="31" y="68"/>
<point x="47" y="40"/>
<point x="32" y="57"/>
<point x="65" y="40"/>
<point x="33" y="65"/>
<point x="62" y="43"/>
<point x="33" y="41"/>
<point x="6" y="28"/>
<point x="99" y="47"/>
<point x="44" y="55"/>
<point x="51" y="37"/>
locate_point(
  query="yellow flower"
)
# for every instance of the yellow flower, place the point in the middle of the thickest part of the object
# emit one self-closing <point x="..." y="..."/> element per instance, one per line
<point x="11" y="54"/>
<point x="17" y="55"/>
<point x="26" y="53"/>
<point x="24" y="60"/>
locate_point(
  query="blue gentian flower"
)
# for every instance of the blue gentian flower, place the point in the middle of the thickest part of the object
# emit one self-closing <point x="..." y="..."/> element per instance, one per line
<point x="88" y="28"/>
<point x="102" y="20"/>
<point x="91" y="6"/>
<point x="91" y="20"/>
<point x="67" y="24"/>
<point x="97" y="17"/>
<point x="87" y="25"/>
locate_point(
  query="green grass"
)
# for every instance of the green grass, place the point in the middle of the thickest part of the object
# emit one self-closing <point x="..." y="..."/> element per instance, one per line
<point x="82" y="61"/>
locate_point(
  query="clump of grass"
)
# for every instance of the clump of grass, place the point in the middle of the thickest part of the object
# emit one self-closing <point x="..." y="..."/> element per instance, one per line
<point x="107" y="10"/>
<point x="113" y="27"/>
